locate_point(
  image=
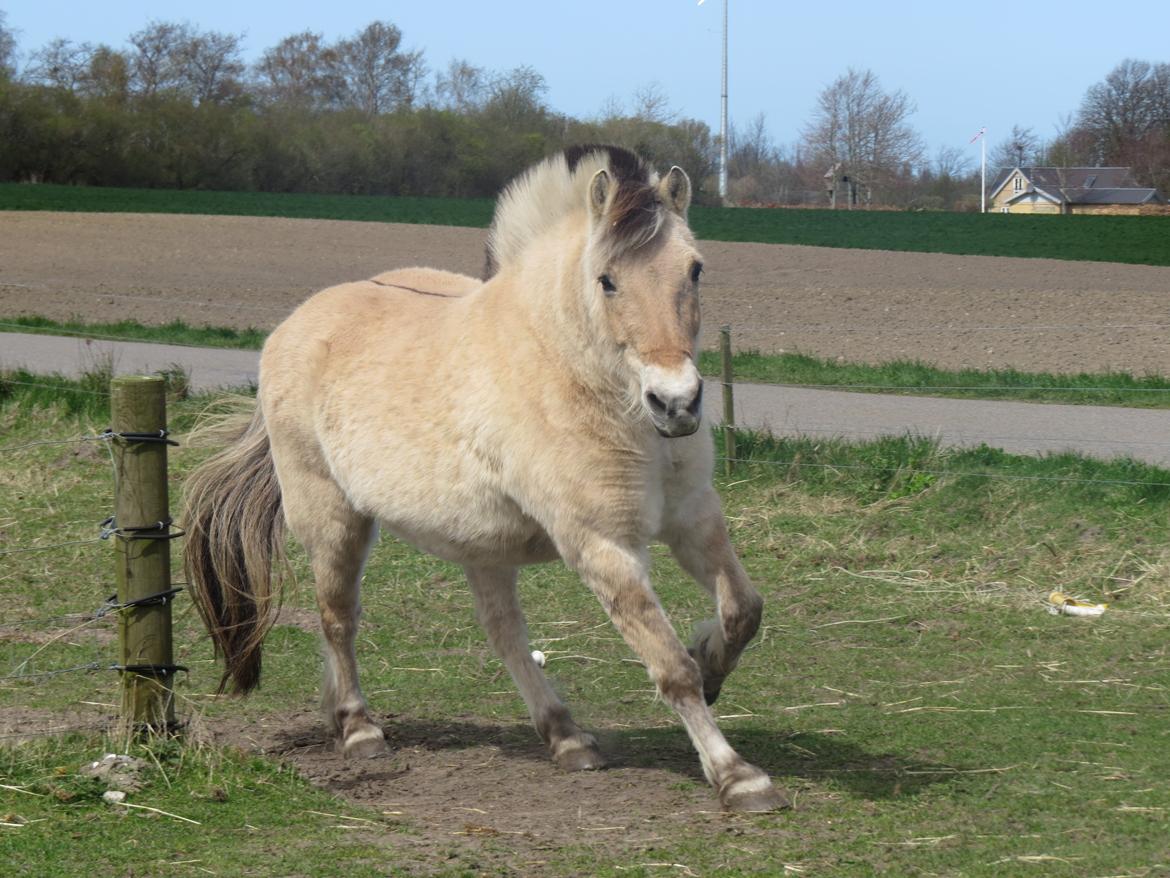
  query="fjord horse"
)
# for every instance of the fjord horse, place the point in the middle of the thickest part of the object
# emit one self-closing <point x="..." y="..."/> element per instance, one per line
<point x="550" y="411"/>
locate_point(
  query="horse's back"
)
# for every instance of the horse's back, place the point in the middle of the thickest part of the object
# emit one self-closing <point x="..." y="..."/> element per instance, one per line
<point x="338" y="327"/>
<point x="368" y="384"/>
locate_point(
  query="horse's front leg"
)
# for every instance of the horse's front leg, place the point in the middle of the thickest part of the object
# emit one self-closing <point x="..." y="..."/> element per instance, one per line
<point x="618" y="575"/>
<point x="697" y="536"/>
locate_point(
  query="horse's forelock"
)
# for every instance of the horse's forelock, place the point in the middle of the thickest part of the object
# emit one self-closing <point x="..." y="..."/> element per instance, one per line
<point x="635" y="212"/>
<point x="635" y="216"/>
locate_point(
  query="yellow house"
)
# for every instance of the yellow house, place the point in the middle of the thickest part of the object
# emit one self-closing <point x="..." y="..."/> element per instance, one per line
<point x="1072" y="190"/>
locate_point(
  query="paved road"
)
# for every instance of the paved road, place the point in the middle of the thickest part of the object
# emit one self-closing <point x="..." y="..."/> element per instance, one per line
<point x="1024" y="428"/>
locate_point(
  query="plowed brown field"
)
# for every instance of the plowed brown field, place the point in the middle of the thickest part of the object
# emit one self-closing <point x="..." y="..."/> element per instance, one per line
<point x="867" y="306"/>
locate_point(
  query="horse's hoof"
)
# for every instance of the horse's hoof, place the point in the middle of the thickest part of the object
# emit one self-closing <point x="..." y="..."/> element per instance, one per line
<point x="753" y="792"/>
<point x="365" y="743"/>
<point x="579" y="756"/>
<point x="711" y="693"/>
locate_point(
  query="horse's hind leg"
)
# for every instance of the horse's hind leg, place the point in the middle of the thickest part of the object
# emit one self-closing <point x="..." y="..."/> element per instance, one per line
<point x="697" y="536"/>
<point x="337" y="539"/>
<point x="498" y="608"/>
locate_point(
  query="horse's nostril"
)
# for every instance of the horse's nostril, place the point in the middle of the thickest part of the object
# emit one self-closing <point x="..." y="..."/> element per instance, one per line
<point x="697" y="402"/>
<point x="655" y="401"/>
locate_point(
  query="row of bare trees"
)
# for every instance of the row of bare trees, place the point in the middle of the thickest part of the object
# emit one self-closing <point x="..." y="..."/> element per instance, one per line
<point x="369" y="71"/>
<point x="861" y="133"/>
<point x="178" y="106"/>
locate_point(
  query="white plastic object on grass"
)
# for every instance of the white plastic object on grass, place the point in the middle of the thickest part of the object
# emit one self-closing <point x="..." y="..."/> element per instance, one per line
<point x="1060" y="604"/>
<point x="538" y="657"/>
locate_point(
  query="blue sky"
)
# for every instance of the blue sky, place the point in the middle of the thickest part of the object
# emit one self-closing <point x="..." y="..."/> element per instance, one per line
<point x="965" y="65"/>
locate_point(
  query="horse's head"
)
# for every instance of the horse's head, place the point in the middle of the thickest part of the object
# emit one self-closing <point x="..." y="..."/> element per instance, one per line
<point x="643" y="268"/>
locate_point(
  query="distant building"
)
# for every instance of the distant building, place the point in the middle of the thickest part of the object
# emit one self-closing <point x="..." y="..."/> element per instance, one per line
<point x="1072" y="190"/>
<point x="845" y="187"/>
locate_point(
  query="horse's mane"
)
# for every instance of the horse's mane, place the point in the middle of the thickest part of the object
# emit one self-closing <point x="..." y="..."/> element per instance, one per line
<point x="556" y="186"/>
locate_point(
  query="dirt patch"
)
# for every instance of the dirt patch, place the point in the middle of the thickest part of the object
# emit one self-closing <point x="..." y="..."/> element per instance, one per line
<point x="487" y="796"/>
<point x="20" y="724"/>
<point x="304" y="620"/>
<point x="866" y="306"/>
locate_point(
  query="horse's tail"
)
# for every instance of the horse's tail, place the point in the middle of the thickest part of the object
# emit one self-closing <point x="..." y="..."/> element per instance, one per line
<point x="235" y="536"/>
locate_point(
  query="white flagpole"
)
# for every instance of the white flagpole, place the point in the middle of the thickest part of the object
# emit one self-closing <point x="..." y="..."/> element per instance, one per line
<point x="983" y="175"/>
<point x="983" y="168"/>
<point x="723" y="116"/>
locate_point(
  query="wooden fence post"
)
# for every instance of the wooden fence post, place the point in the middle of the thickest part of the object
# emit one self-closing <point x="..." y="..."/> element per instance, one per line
<point x="728" y="401"/>
<point x="143" y="551"/>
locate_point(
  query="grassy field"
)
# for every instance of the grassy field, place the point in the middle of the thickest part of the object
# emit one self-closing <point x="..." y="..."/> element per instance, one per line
<point x="176" y="332"/>
<point x="911" y="377"/>
<point x="908" y="684"/>
<point x="1144" y="240"/>
<point x="431" y="211"/>
<point x="905" y="377"/>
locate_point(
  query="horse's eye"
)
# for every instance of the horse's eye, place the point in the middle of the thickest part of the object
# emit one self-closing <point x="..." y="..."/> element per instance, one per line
<point x="696" y="270"/>
<point x="607" y="285"/>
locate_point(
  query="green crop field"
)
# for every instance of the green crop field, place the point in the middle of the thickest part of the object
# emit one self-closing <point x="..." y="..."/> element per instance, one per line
<point x="908" y="686"/>
<point x="1144" y="240"/>
<point x="367" y="208"/>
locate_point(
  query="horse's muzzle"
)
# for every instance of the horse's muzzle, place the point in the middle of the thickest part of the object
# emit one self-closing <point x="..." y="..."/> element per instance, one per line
<point x="676" y="415"/>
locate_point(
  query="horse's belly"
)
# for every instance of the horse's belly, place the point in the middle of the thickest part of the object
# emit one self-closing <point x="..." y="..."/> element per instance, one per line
<point x="468" y="520"/>
<point x="511" y="544"/>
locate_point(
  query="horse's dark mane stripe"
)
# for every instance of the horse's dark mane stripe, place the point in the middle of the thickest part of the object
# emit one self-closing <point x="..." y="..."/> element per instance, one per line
<point x="623" y="163"/>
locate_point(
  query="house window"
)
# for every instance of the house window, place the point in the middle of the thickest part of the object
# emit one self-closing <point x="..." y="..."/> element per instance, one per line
<point x="1018" y="184"/>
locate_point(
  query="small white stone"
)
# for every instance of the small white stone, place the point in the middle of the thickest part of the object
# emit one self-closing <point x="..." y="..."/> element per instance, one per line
<point x="538" y="657"/>
<point x="114" y="797"/>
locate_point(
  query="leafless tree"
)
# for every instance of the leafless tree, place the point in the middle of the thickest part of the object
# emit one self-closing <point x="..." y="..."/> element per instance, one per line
<point x="863" y="129"/>
<point x="60" y="63"/>
<point x="1021" y="147"/>
<point x="652" y="104"/>
<point x="213" y="67"/>
<point x="7" y="48"/>
<point x="757" y="168"/>
<point x="750" y="147"/>
<point x="301" y="70"/>
<point x="157" y="60"/>
<point x="1122" y="109"/>
<point x="1125" y="120"/>
<point x="463" y="88"/>
<point x="378" y="76"/>
<point x="952" y="162"/>
<point x="517" y="95"/>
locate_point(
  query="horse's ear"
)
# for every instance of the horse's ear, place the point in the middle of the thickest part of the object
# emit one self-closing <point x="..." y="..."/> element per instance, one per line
<point x="598" y="192"/>
<point x="675" y="190"/>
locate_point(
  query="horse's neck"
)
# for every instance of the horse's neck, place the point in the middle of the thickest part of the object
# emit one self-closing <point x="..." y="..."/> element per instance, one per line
<point x="550" y="286"/>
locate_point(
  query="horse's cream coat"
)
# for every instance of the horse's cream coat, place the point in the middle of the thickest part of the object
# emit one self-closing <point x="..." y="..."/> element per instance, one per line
<point x="497" y="424"/>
